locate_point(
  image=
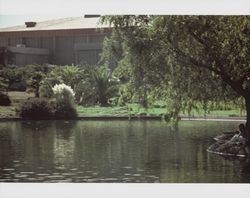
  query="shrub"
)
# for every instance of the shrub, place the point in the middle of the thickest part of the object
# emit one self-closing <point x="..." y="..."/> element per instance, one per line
<point x="67" y="74"/>
<point x="47" y="84"/>
<point x="97" y="86"/>
<point x="4" y="100"/>
<point x="65" y="111"/>
<point x="36" y="109"/>
<point x="65" y="104"/>
<point x="14" y="77"/>
<point x="85" y="93"/>
<point x="63" y="93"/>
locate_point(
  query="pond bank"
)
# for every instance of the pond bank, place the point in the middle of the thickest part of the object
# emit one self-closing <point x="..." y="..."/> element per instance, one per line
<point x="227" y="154"/>
<point x="207" y="118"/>
<point x="230" y="149"/>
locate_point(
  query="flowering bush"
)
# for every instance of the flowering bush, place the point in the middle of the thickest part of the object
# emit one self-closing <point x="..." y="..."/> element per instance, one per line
<point x="65" y="104"/>
<point x="63" y="91"/>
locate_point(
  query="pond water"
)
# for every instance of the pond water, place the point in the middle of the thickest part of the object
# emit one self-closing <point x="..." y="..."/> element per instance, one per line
<point x="116" y="151"/>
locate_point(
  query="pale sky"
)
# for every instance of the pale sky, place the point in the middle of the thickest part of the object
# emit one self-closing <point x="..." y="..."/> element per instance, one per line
<point x="13" y="20"/>
<point x="16" y="12"/>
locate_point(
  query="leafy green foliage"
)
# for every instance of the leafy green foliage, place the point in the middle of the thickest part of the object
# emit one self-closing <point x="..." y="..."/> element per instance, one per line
<point x="105" y="84"/>
<point x="91" y="84"/>
<point x="47" y="83"/>
<point x="134" y="50"/>
<point x="71" y="75"/>
<point x="216" y="46"/>
<point x="12" y="75"/>
<point x="188" y="61"/>
<point x="19" y="78"/>
<point x="98" y="87"/>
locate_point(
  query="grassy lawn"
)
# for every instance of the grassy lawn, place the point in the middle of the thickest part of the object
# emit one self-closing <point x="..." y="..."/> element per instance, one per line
<point x="129" y="110"/>
<point x="133" y="109"/>
<point x="229" y="113"/>
<point x="6" y="112"/>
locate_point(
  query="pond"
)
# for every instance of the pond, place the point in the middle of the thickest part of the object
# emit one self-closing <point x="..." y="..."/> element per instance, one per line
<point x="116" y="151"/>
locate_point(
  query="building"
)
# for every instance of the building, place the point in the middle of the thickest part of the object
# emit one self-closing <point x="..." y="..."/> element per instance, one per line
<point x="66" y="41"/>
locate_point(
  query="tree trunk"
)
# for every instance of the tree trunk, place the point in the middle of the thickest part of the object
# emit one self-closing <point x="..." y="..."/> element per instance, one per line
<point x="145" y="97"/>
<point x="103" y="100"/>
<point x="37" y="95"/>
<point x="247" y="100"/>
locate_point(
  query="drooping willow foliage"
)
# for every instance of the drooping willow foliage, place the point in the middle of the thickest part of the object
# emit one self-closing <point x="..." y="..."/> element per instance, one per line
<point x="191" y="62"/>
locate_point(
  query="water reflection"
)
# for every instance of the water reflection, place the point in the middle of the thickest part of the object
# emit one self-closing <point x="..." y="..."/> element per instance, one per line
<point x="120" y="151"/>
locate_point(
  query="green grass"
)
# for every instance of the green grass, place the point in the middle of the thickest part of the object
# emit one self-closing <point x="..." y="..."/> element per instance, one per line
<point x="7" y="111"/>
<point x="229" y="113"/>
<point x="134" y="109"/>
<point x="129" y="110"/>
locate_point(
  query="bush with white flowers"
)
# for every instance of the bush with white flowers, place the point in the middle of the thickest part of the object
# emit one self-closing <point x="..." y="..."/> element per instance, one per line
<point x="59" y="89"/>
<point x="63" y="92"/>
<point x="65" y="104"/>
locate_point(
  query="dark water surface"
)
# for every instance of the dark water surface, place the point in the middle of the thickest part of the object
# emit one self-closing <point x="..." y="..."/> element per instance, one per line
<point x="115" y="151"/>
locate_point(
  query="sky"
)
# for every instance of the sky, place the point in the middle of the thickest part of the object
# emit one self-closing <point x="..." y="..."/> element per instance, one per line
<point x="16" y="12"/>
<point x="13" y="20"/>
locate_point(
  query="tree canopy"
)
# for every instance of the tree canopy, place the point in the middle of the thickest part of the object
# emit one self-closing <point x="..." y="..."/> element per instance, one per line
<point x="186" y="58"/>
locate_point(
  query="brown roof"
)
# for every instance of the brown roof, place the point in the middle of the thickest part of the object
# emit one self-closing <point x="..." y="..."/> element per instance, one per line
<point x="59" y="24"/>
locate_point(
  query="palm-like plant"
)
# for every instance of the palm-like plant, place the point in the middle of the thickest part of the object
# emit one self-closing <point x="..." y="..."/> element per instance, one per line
<point x="70" y="75"/>
<point x="105" y="84"/>
<point x="97" y="86"/>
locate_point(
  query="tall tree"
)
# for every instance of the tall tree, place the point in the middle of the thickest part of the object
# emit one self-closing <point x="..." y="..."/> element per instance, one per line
<point x="197" y="57"/>
<point x="218" y="44"/>
<point x="132" y="34"/>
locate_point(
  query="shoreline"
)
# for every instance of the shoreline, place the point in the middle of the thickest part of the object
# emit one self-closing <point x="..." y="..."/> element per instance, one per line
<point x="227" y="154"/>
<point x="182" y="118"/>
